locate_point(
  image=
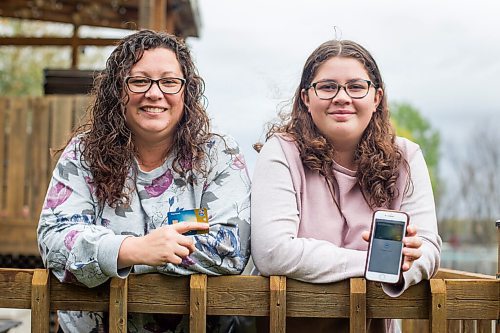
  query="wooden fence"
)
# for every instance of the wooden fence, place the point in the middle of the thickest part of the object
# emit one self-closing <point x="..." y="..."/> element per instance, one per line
<point x="451" y="302"/>
<point x="29" y="127"/>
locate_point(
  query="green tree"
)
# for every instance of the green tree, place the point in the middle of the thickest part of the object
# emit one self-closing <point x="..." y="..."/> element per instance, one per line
<point x="21" y="68"/>
<point x="409" y="123"/>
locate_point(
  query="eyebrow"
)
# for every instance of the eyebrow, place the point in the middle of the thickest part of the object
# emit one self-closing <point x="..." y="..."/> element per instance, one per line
<point x="163" y="74"/>
<point x="332" y="80"/>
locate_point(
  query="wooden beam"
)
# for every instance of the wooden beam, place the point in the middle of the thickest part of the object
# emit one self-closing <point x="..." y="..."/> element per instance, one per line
<point x="153" y="14"/>
<point x="198" y="303"/>
<point x="277" y="311"/>
<point x="118" y="296"/>
<point x="357" y="305"/>
<point x="438" y="322"/>
<point x="56" y="41"/>
<point x="74" y="47"/>
<point x="40" y="300"/>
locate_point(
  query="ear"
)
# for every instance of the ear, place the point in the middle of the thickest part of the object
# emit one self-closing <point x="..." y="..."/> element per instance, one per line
<point x="379" y="94"/>
<point x="305" y="97"/>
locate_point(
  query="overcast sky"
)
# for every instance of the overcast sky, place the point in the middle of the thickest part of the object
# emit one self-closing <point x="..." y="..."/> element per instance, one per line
<point x="443" y="57"/>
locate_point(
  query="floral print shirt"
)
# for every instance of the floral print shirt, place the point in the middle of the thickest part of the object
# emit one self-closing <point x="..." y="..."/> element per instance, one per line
<point x="80" y="244"/>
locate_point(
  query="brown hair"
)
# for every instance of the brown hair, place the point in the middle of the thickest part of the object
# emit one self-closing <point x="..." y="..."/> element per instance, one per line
<point x="107" y="146"/>
<point x="377" y="155"/>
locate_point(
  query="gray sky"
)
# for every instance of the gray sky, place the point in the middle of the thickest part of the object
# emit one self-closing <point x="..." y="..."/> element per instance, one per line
<point x="443" y="57"/>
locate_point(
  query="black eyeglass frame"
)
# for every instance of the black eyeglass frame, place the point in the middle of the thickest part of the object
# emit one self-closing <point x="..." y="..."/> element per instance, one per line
<point x="339" y="86"/>
<point x="151" y="81"/>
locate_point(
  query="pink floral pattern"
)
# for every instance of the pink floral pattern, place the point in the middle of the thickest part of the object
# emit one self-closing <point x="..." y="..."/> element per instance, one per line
<point x="58" y="194"/>
<point x="160" y="184"/>
<point x="70" y="239"/>
<point x="239" y="162"/>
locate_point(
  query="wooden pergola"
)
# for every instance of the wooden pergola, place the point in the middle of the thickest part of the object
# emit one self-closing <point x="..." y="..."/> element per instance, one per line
<point x="179" y="17"/>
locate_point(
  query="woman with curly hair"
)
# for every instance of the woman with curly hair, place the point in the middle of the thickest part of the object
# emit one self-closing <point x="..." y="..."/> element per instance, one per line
<point x="323" y="171"/>
<point x="145" y="157"/>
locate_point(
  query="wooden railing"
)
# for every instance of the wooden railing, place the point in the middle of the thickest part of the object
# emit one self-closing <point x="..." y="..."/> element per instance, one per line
<point x="29" y="127"/>
<point x="467" y="300"/>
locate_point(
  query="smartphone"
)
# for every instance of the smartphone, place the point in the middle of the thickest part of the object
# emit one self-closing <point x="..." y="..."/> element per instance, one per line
<point x="385" y="250"/>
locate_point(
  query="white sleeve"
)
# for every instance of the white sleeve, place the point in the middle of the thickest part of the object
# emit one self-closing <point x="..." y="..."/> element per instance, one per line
<point x="276" y="250"/>
<point x="419" y="204"/>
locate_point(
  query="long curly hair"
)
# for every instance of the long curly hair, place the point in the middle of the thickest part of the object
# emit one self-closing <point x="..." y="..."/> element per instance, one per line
<point x="377" y="156"/>
<point x="107" y="143"/>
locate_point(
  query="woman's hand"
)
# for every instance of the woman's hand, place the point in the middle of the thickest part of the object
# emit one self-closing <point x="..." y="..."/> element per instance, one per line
<point x="411" y="249"/>
<point x="163" y="245"/>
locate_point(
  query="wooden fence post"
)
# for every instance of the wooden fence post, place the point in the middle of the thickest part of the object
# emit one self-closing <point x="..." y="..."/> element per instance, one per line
<point x="277" y="310"/>
<point x="357" y="306"/>
<point x="118" y="298"/>
<point x="40" y="301"/>
<point x="437" y="322"/>
<point x="198" y="303"/>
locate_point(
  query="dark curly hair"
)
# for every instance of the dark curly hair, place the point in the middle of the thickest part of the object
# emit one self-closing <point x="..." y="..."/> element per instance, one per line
<point x="377" y="155"/>
<point x="107" y="143"/>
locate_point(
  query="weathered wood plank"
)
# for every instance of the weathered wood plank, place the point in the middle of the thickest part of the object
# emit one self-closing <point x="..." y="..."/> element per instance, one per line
<point x="72" y="297"/>
<point x="41" y="155"/>
<point x="198" y="303"/>
<point x="468" y="326"/>
<point x="330" y="300"/>
<point x="15" y="288"/>
<point x="4" y="102"/>
<point x="246" y="295"/>
<point x="18" y="235"/>
<point x="412" y="304"/>
<point x="40" y="298"/>
<point x="277" y="310"/>
<point x="61" y="108"/>
<point x="484" y="326"/>
<point x="444" y="273"/>
<point x="16" y="157"/>
<point x="454" y="326"/>
<point x="118" y="292"/>
<point x="437" y="311"/>
<point x="472" y="299"/>
<point x="174" y="293"/>
<point x="357" y="319"/>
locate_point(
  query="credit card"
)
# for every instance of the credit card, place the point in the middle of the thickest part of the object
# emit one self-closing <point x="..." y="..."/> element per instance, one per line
<point x="191" y="215"/>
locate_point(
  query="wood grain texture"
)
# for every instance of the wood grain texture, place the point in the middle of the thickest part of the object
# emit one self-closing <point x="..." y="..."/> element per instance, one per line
<point x="198" y="303"/>
<point x="156" y="293"/>
<point x="15" y="288"/>
<point x="357" y="295"/>
<point x="118" y="294"/>
<point x="437" y="315"/>
<point x="317" y="300"/>
<point x="277" y="310"/>
<point x="472" y="299"/>
<point x="245" y="295"/>
<point x="40" y="298"/>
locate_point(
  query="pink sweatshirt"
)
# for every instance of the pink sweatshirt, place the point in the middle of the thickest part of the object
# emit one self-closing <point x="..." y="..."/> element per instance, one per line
<point x="297" y="230"/>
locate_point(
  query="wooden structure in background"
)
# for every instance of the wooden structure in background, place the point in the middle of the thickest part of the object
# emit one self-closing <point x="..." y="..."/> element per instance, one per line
<point x="29" y="127"/>
<point x="470" y="302"/>
<point x="179" y="17"/>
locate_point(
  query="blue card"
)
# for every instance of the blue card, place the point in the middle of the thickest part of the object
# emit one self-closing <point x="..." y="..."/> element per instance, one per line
<point x="191" y="215"/>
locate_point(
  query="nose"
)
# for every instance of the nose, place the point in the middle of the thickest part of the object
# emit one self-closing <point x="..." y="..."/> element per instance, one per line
<point x="154" y="91"/>
<point x="342" y="97"/>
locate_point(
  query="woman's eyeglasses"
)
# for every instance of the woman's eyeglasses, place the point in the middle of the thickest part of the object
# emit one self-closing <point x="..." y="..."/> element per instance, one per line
<point x="328" y="89"/>
<point x="167" y="85"/>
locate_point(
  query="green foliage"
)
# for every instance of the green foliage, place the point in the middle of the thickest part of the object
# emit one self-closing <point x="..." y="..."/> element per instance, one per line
<point x="21" y="68"/>
<point x="410" y="124"/>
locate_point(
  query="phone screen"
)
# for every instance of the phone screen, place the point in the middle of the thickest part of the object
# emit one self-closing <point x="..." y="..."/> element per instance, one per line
<point x="387" y="244"/>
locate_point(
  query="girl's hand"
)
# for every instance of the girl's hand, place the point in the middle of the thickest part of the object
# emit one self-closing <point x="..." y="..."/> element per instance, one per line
<point x="163" y="245"/>
<point x="411" y="249"/>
